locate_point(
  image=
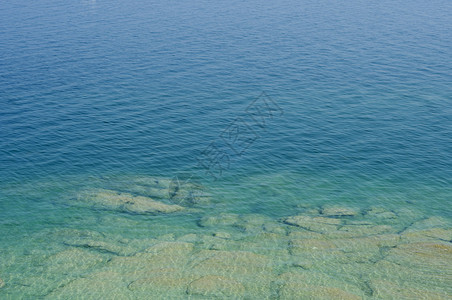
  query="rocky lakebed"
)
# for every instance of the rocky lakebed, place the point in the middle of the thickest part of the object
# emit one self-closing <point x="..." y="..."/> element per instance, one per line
<point x="319" y="252"/>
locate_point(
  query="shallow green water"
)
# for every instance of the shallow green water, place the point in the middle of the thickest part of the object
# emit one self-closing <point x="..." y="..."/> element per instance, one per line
<point x="230" y="245"/>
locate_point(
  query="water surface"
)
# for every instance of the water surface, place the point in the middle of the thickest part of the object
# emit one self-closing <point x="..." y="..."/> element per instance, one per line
<point x="111" y="95"/>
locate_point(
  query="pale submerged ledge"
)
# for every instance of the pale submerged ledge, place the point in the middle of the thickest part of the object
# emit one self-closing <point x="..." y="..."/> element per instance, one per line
<point x="364" y="255"/>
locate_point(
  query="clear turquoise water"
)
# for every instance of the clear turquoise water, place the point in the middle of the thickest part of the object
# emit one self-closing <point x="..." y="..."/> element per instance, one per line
<point x="95" y="93"/>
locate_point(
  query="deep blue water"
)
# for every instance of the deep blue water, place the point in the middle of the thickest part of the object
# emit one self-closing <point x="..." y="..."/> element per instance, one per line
<point x="91" y="89"/>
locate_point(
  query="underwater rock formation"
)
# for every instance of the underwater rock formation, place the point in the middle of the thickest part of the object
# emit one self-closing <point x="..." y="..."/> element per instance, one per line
<point x="219" y="220"/>
<point x="386" y="289"/>
<point x="256" y="257"/>
<point x="72" y="259"/>
<point x="315" y="285"/>
<point x="177" y="191"/>
<point x="338" y="211"/>
<point x="316" y="224"/>
<point x="216" y="286"/>
<point x="100" y="246"/>
<point x="96" y="285"/>
<point x="128" y="202"/>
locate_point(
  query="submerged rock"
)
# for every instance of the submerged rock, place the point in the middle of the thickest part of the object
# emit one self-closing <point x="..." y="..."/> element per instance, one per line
<point x="312" y="212"/>
<point x="361" y="230"/>
<point x="100" y="246"/>
<point x="431" y="234"/>
<point x="375" y="210"/>
<point x="338" y="211"/>
<point x="251" y="223"/>
<point x="299" y="247"/>
<point x="171" y="248"/>
<point x="432" y="222"/>
<point x="410" y="214"/>
<point x="155" y="187"/>
<point x="300" y="233"/>
<point x="231" y="262"/>
<point x="96" y="241"/>
<point x="129" y="203"/>
<point x="176" y="190"/>
<point x="223" y="219"/>
<point x="255" y="219"/>
<point x="72" y="261"/>
<point x="2" y="284"/>
<point x="315" y="252"/>
<point x="253" y="271"/>
<point x="385" y="289"/>
<point x="189" y="194"/>
<point x="213" y="242"/>
<point x="402" y="275"/>
<point x="216" y="286"/>
<point x="68" y="233"/>
<point x="380" y="213"/>
<point x="274" y="227"/>
<point x="248" y="224"/>
<point x="94" y="286"/>
<point x="411" y="270"/>
<point x="190" y="238"/>
<point x="427" y="256"/>
<point x="315" y="285"/>
<point x="317" y="224"/>
<point x="368" y="243"/>
<point x="294" y="290"/>
<point x="162" y="284"/>
<point x="167" y="237"/>
<point x="387" y="215"/>
<point x="266" y="243"/>
<point x="161" y="255"/>
<point x="222" y="235"/>
<point x="368" y="249"/>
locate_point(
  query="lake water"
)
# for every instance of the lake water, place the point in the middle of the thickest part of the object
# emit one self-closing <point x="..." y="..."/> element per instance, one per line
<point x="234" y="149"/>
